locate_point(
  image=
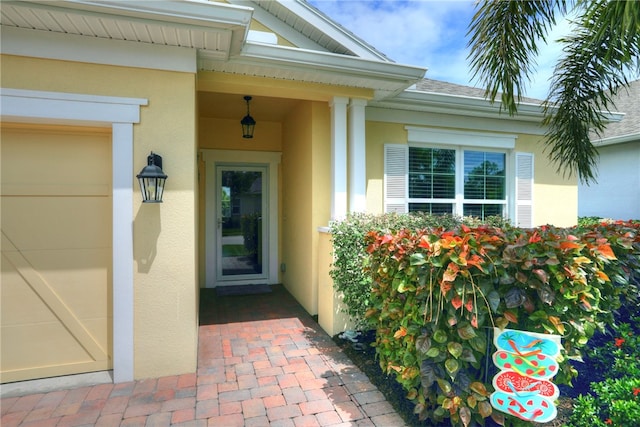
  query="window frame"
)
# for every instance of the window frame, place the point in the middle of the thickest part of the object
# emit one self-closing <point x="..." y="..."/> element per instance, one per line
<point x="459" y="200"/>
<point x="520" y="168"/>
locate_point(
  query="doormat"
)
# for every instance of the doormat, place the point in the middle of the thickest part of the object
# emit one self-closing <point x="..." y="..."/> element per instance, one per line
<point x="225" y="291"/>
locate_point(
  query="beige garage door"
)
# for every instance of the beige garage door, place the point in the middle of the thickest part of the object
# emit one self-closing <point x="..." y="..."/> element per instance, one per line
<point x="55" y="289"/>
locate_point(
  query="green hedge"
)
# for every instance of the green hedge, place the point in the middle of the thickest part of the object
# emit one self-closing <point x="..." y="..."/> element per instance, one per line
<point x="436" y="293"/>
<point x="350" y="257"/>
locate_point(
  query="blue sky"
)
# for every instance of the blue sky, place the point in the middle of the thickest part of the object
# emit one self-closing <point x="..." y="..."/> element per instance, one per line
<point x="427" y="33"/>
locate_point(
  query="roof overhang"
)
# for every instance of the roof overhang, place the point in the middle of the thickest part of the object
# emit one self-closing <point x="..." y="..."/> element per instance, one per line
<point x="614" y="140"/>
<point x="216" y="28"/>
<point x="281" y="62"/>
<point x="216" y="31"/>
<point x="414" y="100"/>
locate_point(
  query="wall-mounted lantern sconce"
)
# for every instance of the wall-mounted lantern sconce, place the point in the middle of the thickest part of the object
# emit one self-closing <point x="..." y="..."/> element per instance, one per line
<point x="151" y="179"/>
<point x="248" y="123"/>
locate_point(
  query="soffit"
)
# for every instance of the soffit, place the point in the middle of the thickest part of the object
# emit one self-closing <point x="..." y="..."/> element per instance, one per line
<point x="216" y="28"/>
<point x="285" y="63"/>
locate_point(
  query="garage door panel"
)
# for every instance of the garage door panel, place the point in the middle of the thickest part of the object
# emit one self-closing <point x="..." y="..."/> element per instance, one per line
<point x="26" y="306"/>
<point x="45" y="350"/>
<point x="43" y="344"/>
<point x="56" y="223"/>
<point x="56" y="252"/>
<point x="9" y="189"/>
<point x="85" y="291"/>
<point x="55" y="157"/>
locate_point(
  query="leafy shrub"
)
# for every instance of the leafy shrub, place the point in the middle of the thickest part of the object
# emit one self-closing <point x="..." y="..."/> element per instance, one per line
<point x="350" y="255"/>
<point x="586" y="413"/>
<point x="616" y="400"/>
<point x="616" y="403"/>
<point x="589" y="221"/>
<point x="436" y="292"/>
<point x="620" y="356"/>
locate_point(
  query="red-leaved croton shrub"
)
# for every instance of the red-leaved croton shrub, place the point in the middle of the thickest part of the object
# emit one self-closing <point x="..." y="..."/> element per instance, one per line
<point x="437" y="293"/>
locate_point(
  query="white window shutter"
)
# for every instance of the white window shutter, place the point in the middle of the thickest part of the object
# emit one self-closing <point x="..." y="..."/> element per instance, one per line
<point x="395" y="178"/>
<point x="524" y="190"/>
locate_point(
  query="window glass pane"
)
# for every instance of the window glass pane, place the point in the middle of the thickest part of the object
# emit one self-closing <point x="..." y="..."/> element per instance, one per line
<point x="420" y="185"/>
<point x="444" y="186"/>
<point x="496" y="162"/>
<point x="431" y="173"/>
<point x="432" y="208"/>
<point x="482" y="211"/>
<point x="494" y="188"/>
<point x="444" y="161"/>
<point x="484" y="175"/>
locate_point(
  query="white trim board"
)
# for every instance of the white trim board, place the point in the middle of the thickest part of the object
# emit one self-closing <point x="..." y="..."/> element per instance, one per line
<point x="463" y="138"/>
<point x="120" y="114"/>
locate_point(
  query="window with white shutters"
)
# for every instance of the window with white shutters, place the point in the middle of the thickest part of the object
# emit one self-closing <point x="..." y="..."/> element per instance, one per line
<point x="458" y="180"/>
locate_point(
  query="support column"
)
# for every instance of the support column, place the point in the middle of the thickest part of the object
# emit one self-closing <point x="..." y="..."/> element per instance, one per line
<point x="338" y="107"/>
<point x="357" y="156"/>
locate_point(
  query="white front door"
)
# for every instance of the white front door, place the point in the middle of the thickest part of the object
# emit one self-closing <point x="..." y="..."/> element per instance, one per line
<point x="241" y="237"/>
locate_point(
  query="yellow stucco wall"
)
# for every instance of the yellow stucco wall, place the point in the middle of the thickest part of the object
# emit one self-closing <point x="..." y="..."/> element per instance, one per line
<point x="165" y="298"/>
<point x="321" y="177"/>
<point x="297" y="204"/>
<point x="305" y="191"/>
<point x="226" y="134"/>
<point x="555" y="198"/>
<point x="377" y="135"/>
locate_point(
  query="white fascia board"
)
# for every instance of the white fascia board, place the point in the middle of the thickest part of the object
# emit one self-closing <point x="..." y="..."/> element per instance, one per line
<point x="192" y="12"/>
<point x="617" y="140"/>
<point x="459" y="105"/>
<point x="94" y="50"/>
<point x="331" y="29"/>
<point x="322" y="61"/>
<point x="450" y="119"/>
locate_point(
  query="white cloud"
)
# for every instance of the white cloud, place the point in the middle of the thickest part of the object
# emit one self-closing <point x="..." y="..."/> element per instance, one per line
<point x="430" y="34"/>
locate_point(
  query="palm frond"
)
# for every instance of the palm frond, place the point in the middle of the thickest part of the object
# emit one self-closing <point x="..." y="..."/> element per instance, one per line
<point x="599" y="57"/>
<point x="504" y="37"/>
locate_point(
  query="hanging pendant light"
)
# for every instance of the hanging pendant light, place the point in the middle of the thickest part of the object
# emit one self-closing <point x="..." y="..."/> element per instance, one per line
<point x="247" y="122"/>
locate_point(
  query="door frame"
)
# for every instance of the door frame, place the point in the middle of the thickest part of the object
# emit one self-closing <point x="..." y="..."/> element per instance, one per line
<point x="270" y="160"/>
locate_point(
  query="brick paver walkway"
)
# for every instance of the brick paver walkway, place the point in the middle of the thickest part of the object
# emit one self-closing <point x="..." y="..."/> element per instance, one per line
<point x="262" y="361"/>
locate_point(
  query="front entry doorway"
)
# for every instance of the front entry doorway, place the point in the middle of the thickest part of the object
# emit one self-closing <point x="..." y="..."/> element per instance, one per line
<point x="241" y="238"/>
<point x="241" y="211"/>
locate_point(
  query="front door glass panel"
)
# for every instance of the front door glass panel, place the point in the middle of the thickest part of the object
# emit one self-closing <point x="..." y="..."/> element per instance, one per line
<point x="240" y="219"/>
